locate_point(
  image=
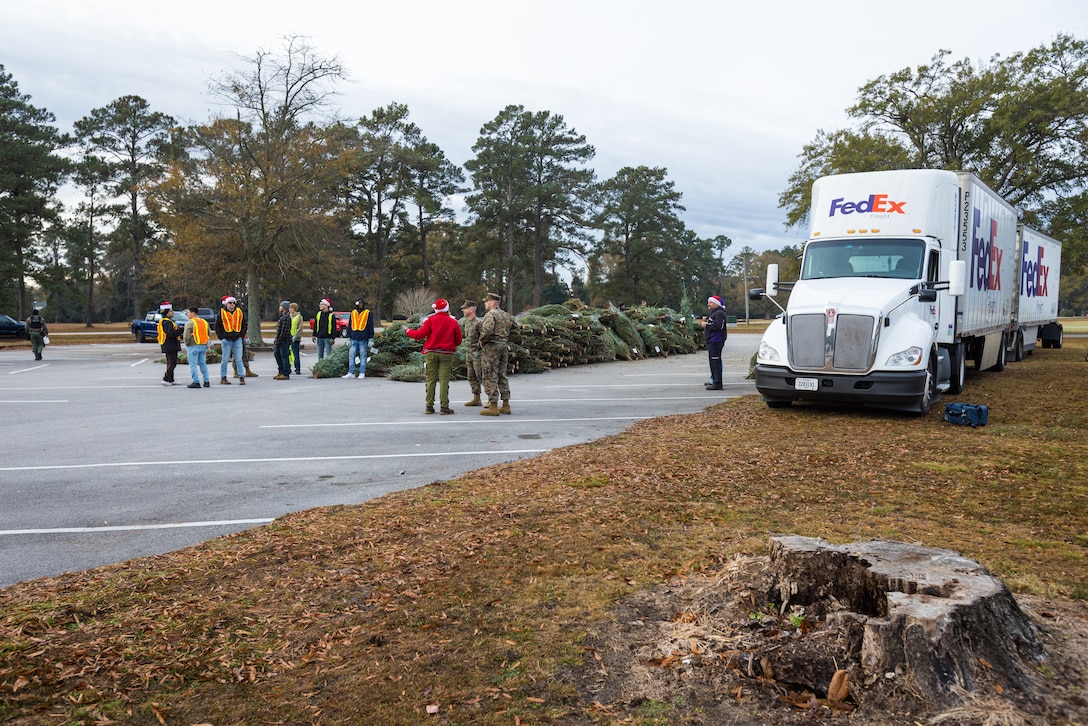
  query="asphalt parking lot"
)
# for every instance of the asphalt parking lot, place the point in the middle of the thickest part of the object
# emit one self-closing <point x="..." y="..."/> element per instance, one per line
<point x="102" y="464"/>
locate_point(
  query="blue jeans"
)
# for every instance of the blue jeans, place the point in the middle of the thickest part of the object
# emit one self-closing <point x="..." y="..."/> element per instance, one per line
<point x="358" y="348"/>
<point x="295" y="346"/>
<point x="234" y="346"/>
<point x="198" y="361"/>
<point x="282" y="353"/>
<point x="324" y="347"/>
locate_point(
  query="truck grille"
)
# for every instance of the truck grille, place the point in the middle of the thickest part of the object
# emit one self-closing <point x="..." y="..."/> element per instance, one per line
<point x="848" y="346"/>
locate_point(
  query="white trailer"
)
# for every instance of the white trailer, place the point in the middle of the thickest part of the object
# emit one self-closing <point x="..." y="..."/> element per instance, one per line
<point x="906" y="276"/>
<point x="1037" y="304"/>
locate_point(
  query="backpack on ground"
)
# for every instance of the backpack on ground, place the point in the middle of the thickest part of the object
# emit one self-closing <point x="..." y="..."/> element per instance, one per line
<point x="966" y="414"/>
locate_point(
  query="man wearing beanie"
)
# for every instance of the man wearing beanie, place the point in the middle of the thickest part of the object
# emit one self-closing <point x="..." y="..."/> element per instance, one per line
<point x="714" y="335"/>
<point x="231" y="327"/>
<point x="361" y="331"/>
<point x="281" y="344"/>
<point x="441" y="335"/>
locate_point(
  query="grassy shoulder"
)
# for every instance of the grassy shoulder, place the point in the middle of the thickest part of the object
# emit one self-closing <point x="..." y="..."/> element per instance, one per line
<point x="468" y="600"/>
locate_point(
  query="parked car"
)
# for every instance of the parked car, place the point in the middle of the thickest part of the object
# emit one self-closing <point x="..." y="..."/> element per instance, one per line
<point x="343" y="324"/>
<point x="12" y="328"/>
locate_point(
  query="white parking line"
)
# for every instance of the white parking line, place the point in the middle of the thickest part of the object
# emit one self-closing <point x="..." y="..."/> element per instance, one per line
<point x="24" y="370"/>
<point x="447" y="422"/>
<point x="135" y="527"/>
<point x="217" y="462"/>
<point x="40" y="401"/>
<point x="142" y="360"/>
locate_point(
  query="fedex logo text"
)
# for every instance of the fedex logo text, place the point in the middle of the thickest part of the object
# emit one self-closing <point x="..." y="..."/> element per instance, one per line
<point x="876" y="203"/>
<point x="985" y="270"/>
<point x="1033" y="274"/>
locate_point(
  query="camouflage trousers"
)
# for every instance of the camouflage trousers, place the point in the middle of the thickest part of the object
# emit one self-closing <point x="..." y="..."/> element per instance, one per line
<point x="475" y="371"/>
<point x="494" y="359"/>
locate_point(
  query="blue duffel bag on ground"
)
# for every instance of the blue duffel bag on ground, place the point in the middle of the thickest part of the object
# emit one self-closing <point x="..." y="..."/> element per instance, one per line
<point x="966" y="414"/>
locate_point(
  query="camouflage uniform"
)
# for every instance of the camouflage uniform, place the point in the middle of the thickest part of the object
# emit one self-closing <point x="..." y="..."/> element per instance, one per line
<point x="495" y="356"/>
<point x="470" y="331"/>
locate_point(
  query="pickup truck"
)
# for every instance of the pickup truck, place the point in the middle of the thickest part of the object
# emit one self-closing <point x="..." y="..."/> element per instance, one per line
<point x="146" y="330"/>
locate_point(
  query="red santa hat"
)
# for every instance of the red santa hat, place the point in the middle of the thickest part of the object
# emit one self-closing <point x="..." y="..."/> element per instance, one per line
<point x="166" y="306"/>
<point x="716" y="300"/>
<point x="229" y="298"/>
<point x="441" y="306"/>
<point x="326" y="302"/>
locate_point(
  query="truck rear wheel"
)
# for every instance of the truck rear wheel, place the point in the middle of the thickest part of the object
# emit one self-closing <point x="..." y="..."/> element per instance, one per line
<point x="1002" y="354"/>
<point x="1018" y="347"/>
<point x="139" y="336"/>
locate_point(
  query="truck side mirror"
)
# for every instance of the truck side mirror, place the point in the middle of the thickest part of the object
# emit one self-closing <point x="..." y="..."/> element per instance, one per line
<point x="927" y="295"/>
<point x="772" y="280"/>
<point x="756" y="293"/>
<point x="957" y="277"/>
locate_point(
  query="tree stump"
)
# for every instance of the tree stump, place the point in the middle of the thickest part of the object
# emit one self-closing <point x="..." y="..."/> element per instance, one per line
<point x="934" y="619"/>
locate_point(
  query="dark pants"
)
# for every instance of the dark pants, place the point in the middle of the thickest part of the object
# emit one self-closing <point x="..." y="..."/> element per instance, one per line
<point x="171" y="364"/>
<point x="282" y="352"/>
<point x="714" y="350"/>
<point x="296" y="350"/>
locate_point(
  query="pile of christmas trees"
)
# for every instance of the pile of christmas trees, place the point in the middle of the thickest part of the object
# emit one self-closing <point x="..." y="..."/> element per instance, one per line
<point x="552" y="336"/>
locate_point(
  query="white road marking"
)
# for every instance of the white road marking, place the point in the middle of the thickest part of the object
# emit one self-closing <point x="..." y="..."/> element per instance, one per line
<point x="118" y="464"/>
<point x="139" y="362"/>
<point x="447" y="422"/>
<point x="25" y="370"/>
<point x="134" y="527"/>
<point x="41" y="401"/>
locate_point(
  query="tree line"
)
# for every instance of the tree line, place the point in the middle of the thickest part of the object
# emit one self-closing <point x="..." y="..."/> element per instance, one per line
<point x="275" y="199"/>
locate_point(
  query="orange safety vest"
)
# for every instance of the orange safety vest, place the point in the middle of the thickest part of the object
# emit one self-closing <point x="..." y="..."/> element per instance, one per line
<point x="358" y="319"/>
<point x="232" y="322"/>
<point x="200" y="331"/>
<point x="160" y="332"/>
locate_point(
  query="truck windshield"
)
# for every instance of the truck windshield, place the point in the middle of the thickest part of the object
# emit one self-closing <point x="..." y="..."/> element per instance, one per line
<point x="900" y="258"/>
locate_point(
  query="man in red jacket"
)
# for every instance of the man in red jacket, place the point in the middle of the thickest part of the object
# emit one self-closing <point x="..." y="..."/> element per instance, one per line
<point x="441" y="335"/>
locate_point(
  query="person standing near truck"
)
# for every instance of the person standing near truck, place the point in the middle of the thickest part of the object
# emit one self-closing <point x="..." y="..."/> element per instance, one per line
<point x="470" y="332"/>
<point x="196" y="334"/>
<point x="325" y="331"/>
<point x="231" y="327"/>
<point x="169" y="337"/>
<point x="714" y="334"/>
<point x="36" y="330"/>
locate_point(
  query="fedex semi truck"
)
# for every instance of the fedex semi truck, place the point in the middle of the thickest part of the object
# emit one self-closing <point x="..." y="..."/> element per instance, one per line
<point x="1037" y="302"/>
<point x="906" y="277"/>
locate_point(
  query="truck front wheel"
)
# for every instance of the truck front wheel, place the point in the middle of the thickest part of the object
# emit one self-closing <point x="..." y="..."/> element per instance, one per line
<point x="929" y="390"/>
<point x="958" y="359"/>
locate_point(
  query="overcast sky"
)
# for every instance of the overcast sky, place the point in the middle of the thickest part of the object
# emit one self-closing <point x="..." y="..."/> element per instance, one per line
<point x="723" y="94"/>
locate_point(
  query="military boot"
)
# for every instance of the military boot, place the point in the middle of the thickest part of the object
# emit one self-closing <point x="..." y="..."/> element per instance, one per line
<point x="505" y="406"/>
<point x="491" y="409"/>
<point x="475" y="400"/>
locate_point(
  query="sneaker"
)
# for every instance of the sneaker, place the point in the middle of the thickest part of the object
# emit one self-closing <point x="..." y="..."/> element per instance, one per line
<point x="712" y="387"/>
<point x="194" y="384"/>
<point x="207" y="385"/>
<point x="174" y="383"/>
<point x="348" y="375"/>
<point x="165" y="382"/>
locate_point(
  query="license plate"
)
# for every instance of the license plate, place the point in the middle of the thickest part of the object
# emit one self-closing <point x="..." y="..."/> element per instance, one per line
<point x="807" y="384"/>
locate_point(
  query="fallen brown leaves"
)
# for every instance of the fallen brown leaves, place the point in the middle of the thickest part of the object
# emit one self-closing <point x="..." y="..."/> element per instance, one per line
<point x="472" y="596"/>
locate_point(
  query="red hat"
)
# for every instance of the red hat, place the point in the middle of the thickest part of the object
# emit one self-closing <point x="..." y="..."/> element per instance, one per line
<point x="441" y="306"/>
<point x="326" y="302"/>
<point x="229" y="298"/>
<point x="716" y="300"/>
<point x="166" y="306"/>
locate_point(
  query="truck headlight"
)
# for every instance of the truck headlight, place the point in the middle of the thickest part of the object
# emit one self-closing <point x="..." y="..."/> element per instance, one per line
<point x="766" y="352"/>
<point x="912" y="356"/>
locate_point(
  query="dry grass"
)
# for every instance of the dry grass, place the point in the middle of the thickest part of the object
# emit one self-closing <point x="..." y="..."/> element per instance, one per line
<point x="467" y="601"/>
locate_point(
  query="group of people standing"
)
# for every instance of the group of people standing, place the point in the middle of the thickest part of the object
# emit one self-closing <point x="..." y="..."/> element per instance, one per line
<point x="231" y="327"/>
<point x="487" y="357"/>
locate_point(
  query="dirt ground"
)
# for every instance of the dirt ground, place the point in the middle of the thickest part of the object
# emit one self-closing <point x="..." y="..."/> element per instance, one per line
<point x="712" y="650"/>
